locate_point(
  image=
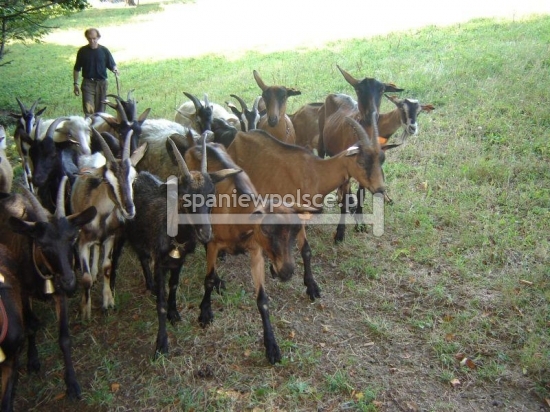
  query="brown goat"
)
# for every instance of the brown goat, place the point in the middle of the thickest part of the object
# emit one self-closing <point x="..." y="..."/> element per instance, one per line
<point x="276" y="121"/>
<point x="335" y="135"/>
<point x="241" y="226"/>
<point x="304" y="176"/>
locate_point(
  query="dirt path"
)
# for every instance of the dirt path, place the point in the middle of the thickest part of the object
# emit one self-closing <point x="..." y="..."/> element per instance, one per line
<point x="231" y="27"/>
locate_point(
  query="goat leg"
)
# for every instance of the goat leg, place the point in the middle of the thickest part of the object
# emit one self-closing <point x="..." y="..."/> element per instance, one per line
<point x="360" y="226"/>
<point x="73" y="388"/>
<point x="31" y="325"/>
<point x="173" y="313"/>
<point x="272" y="351"/>
<point x="162" y="336"/>
<point x="312" y="289"/>
<point x="207" y="316"/>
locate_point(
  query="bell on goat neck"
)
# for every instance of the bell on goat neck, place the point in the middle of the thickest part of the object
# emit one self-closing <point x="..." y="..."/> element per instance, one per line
<point x="48" y="287"/>
<point x="175" y="253"/>
<point x="2" y="356"/>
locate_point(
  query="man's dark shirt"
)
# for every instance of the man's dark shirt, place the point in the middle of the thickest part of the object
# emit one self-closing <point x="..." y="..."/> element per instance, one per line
<point x="94" y="62"/>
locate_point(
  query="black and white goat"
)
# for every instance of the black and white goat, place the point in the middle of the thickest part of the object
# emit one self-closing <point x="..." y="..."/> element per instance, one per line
<point x="25" y="124"/>
<point x="37" y="261"/>
<point x="148" y="233"/>
<point x="109" y="189"/>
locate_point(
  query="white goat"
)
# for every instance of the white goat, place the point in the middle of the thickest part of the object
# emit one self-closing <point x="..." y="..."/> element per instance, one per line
<point x="76" y="129"/>
<point x="198" y="115"/>
<point x="6" y="170"/>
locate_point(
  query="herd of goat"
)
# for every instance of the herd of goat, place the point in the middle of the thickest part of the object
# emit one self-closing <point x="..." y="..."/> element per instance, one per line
<point x="93" y="185"/>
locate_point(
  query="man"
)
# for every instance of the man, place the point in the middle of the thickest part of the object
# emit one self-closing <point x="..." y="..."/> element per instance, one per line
<point x="93" y="60"/>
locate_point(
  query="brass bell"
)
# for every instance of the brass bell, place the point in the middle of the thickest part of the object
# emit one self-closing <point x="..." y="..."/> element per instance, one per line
<point x="175" y="253"/>
<point x="48" y="287"/>
<point x="2" y="356"/>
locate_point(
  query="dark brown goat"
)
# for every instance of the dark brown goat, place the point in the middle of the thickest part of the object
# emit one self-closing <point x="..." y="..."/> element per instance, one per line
<point x="41" y="244"/>
<point x="12" y="326"/>
<point x="276" y="121"/>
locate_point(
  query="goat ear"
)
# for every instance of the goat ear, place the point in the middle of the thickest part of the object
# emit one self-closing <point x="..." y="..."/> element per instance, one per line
<point x="144" y="115"/>
<point x="293" y="92"/>
<point x="382" y="140"/>
<point x="138" y="154"/>
<point x="390" y="87"/>
<point x="82" y="218"/>
<point x="33" y="229"/>
<point x="352" y="151"/>
<point x="223" y="174"/>
<point x="389" y="146"/>
<point x="38" y="113"/>
<point x="427" y="108"/>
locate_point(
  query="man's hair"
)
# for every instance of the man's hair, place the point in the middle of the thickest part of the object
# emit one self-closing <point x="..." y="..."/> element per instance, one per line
<point x="90" y="30"/>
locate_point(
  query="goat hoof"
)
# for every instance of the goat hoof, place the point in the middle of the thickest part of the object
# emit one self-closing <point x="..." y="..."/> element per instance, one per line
<point x="33" y="365"/>
<point x="313" y="292"/>
<point x="206" y="318"/>
<point x="161" y="349"/>
<point x="73" y="390"/>
<point x="273" y="355"/>
<point x="173" y="316"/>
<point x="338" y="238"/>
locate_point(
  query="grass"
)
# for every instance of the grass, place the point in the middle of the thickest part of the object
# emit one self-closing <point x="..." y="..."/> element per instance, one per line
<point x="462" y="266"/>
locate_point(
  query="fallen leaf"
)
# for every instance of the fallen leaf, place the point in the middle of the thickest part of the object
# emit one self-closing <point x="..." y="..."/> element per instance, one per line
<point x="359" y="396"/>
<point x="411" y="406"/>
<point x="459" y="356"/>
<point x="470" y="363"/>
<point x="292" y="334"/>
<point x="449" y="337"/>
<point x="115" y="387"/>
<point x="247" y="353"/>
<point x="454" y="382"/>
<point x="60" y="396"/>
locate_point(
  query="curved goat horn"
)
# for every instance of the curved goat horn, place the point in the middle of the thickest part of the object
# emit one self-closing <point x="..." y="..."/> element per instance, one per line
<point x="349" y="78"/>
<point x="60" y="206"/>
<point x="21" y="105"/>
<point x="241" y="101"/>
<point x="179" y="158"/>
<point x="52" y="127"/>
<point x="37" y="129"/>
<point x="204" y="166"/>
<point x="120" y="110"/>
<point x="41" y="212"/>
<point x="196" y="102"/>
<point x="256" y="103"/>
<point x="127" y="145"/>
<point x="104" y="146"/>
<point x="206" y="102"/>
<point x="34" y="105"/>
